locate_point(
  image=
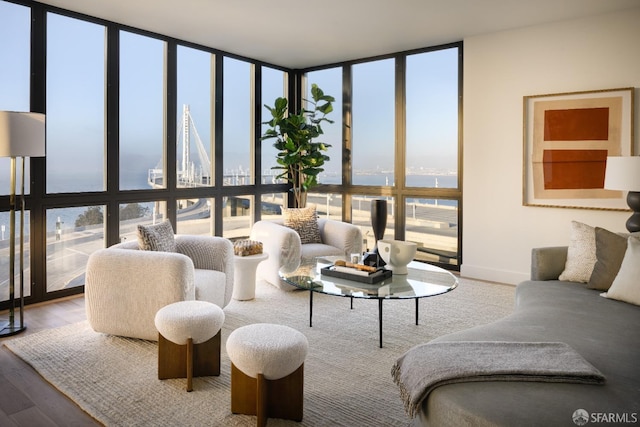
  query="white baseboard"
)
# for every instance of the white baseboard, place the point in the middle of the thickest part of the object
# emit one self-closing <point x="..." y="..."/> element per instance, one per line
<point x="493" y="275"/>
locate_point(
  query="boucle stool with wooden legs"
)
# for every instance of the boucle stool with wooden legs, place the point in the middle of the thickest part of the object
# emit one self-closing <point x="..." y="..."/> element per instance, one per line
<point x="189" y="340"/>
<point x="267" y="366"/>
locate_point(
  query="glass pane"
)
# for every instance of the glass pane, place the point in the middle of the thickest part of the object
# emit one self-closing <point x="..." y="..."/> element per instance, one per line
<point x="433" y="224"/>
<point x="271" y="206"/>
<point x="75" y="105"/>
<point x="432" y="119"/>
<point x="236" y="217"/>
<point x="72" y="235"/>
<point x="273" y="86"/>
<point x="5" y="231"/>
<point x="238" y="122"/>
<point x="361" y="214"/>
<point x="132" y="214"/>
<point x="328" y="205"/>
<point x="194" y="118"/>
<point x="15" y="39"/>
<point x="373" y="127"/>
<point x="141" y="112"/>
<point x="195" y="217"/>
<point x="330" y="81"/>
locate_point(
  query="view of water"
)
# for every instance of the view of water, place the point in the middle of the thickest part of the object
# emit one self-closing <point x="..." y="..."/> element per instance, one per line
<point x="68" y="216"/>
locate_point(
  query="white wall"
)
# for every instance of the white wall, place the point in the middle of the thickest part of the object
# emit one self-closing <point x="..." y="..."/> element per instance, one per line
<point x="600" y="52"/>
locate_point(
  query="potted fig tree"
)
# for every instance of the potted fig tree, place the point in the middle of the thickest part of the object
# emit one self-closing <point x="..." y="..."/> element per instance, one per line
<point x="300" y="155"/>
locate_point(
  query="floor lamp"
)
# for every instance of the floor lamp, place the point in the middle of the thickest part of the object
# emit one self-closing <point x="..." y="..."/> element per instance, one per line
<point x="21" y="135"/>
<point x="623" y="173"/>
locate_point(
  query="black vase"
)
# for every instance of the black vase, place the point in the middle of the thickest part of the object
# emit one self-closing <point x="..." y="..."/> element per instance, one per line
<point x="379" y="224"/>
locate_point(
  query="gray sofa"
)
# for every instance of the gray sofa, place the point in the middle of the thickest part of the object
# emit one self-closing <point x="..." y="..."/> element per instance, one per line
<point x="605" y="332"/>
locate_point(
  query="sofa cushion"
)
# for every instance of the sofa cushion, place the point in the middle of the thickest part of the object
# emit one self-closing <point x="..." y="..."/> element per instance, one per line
<point x="581" y="255"/>
<point x="625" y="286"/>
<point x="210" y="286"/>
<point x="158" y="237"/>
<point x="610" y="250"/>
<point x="314" y="250"/>
<point x="304" y="221"/>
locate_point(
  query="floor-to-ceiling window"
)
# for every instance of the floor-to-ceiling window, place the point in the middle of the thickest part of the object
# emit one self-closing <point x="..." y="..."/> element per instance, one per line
<point x="143" y="128"/>
<point x="400" y="136"/>
<point x="432" y="154"/>
<point x="75" y="139"/>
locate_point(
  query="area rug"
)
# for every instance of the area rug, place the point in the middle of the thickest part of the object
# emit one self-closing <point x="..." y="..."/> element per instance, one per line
<point x="347" y="376"/>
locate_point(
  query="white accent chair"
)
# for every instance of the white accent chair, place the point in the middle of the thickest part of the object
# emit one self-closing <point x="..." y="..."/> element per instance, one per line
<point x="285" y="250"/>
<point x="125" y="286"/>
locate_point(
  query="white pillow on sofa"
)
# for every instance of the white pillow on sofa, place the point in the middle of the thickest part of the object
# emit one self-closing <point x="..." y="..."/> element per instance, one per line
<point x="625" y="286"/>
<point x="581" y="255"/>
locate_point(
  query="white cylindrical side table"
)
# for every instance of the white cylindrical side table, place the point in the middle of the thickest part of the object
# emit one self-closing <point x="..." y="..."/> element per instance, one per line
<point x="244" y="285"/>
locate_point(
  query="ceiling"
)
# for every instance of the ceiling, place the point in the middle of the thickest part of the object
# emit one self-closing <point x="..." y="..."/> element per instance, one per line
<point x="294" y="34"/>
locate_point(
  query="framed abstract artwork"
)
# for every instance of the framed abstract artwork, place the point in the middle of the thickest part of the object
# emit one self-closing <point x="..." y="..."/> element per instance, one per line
<point x="567" y="138"/>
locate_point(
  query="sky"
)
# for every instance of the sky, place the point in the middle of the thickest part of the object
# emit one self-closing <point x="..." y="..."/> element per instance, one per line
<point x="76" y="99"/>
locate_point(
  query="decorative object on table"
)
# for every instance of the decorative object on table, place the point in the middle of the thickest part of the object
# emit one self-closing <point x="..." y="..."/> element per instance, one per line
<point x="397" y="254"/>
<point x="351" y="273"/>
<point x="623" y="173"/>
<point x="379" y="225"/>
<point x="246" y="247"/>
<point x="21" y="135"/>
<point x="356" y="258"/>
<point x="300" y="157"/>
<point x="567" y="139"/>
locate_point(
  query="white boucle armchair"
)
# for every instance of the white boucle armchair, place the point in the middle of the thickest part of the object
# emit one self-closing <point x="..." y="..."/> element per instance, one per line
<point x="286" y="251"/>
<point x="125" y="286"/>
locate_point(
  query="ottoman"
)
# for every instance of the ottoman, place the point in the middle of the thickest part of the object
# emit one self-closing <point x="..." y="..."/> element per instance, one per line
<point x="267" y="365"/>
<point x="189" y="340"/>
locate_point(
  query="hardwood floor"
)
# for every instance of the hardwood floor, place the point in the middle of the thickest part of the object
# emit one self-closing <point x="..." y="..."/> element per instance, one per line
<point x="25" y="398"/>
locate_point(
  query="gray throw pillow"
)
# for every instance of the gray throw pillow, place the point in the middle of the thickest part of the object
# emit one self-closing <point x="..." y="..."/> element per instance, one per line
<point x="159" y="237"/>
<point x="304" y="221"/>
<point x="610" y="250"/>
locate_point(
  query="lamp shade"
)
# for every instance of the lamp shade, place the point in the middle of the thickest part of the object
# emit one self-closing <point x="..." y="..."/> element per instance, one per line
<point x="22" y="134"/>
<point x="622" y="173"/>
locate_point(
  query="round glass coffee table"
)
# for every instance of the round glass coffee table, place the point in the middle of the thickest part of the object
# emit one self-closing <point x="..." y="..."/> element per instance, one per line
<point x="423" y="280"/>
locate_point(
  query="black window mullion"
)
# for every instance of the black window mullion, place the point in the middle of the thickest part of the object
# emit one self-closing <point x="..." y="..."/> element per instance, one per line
<point x="171" y="111"/>
<point x="38" y="103"/>
<point x="113" y="135"/>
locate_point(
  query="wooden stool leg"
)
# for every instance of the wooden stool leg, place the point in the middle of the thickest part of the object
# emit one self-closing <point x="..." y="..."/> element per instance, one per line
<point x="282" y="398"/>
<point x="243" y="392"/>
<point x="190" y="364"/>
<point x="188" y="360"/>
<point x="262" y="400"/>
<point x="286" y="396"/>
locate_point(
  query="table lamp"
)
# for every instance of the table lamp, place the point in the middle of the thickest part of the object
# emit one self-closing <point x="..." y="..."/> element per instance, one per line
<point x="623" y="173"/>
<point x="21" y="135"/>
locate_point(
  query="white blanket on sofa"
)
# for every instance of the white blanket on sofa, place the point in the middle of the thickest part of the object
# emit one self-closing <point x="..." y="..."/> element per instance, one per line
<point x="427" y="366"/>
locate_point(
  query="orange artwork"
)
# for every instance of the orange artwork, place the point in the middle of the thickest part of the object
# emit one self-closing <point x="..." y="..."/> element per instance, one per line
<point x="577" y="124"/>
<point x="574" y="169"/>
<point x="568" y="138"/>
